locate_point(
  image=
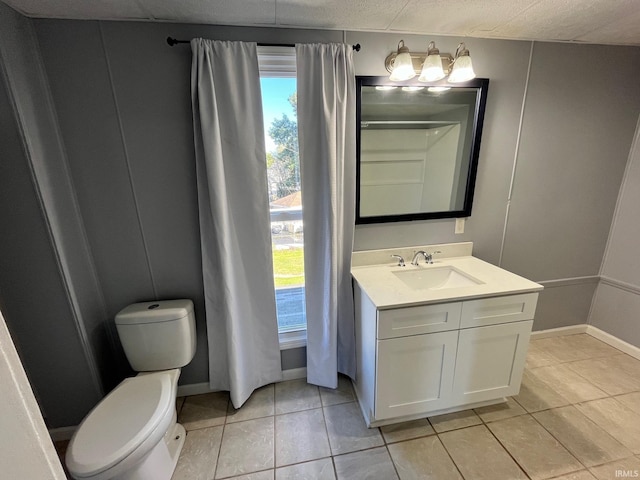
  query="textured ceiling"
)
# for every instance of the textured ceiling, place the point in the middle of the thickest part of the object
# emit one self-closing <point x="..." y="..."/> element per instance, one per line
<point x="592" y="21"/>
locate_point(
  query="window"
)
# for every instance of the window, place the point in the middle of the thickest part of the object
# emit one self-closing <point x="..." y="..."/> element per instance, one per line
<point x="278" y="84"/>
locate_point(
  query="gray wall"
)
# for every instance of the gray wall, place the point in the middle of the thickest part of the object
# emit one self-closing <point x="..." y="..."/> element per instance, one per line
<point x="567" y="161"/>
<point x="122" y="100"/>
<point x="616" y="305"/>
<point x="47" y="311"/>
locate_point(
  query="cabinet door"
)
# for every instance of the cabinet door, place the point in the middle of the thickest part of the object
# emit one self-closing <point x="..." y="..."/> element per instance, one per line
<point x="490" y="361"/>
<point x="415" y="374"/>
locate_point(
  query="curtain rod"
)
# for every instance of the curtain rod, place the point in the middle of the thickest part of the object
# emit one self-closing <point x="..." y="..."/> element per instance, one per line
<point x="172" y="41"/>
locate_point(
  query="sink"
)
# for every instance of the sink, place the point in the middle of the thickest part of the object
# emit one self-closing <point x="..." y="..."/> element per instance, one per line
<point x="435" y="278"/>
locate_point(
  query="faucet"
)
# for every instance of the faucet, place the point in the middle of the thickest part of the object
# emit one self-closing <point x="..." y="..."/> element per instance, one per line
<point x="400" y="260"/>
<point x="428" y="257"/>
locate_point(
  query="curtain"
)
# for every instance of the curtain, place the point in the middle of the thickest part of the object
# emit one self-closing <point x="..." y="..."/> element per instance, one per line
<point x="327" y="136"/>
<point x="233" y="203"/>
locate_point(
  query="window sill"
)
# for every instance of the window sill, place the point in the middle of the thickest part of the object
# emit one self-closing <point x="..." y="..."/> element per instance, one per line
<point x="289" y="340"/>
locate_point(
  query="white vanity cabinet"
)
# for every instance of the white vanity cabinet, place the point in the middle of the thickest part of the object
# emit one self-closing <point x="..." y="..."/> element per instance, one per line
<point x="435" y="358"/>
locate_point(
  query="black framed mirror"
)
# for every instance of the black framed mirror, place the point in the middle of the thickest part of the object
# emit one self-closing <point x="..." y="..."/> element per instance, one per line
<point x="417" y="148"/>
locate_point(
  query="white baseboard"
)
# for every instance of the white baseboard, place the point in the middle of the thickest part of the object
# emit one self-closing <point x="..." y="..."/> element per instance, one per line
<point x="294" y="374"/>
<point x="595" y="332"/>
<point x="615" y="342"/>
<point x="200" y="388"/>
<point x="62" y="433"/>
<point x="194" y="389"/>
<point x="558" y="332"/>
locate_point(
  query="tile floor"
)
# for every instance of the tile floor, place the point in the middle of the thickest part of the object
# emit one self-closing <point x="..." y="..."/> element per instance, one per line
<point x="577" y="417"/>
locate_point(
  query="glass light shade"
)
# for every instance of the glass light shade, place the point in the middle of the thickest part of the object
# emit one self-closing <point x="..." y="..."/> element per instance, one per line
<point x="402" y="68"/>
<point x="432" y="69"/>
<point x="462" y="70"/>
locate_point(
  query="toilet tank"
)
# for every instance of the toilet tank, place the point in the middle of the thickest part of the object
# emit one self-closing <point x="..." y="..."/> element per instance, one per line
<point x="158" y="335"/>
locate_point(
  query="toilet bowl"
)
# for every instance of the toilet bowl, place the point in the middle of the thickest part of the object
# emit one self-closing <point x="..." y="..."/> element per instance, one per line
<point x="133" y="434"/>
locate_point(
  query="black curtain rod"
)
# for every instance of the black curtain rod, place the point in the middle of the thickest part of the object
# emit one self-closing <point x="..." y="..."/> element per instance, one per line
<point x="172" y="41"/>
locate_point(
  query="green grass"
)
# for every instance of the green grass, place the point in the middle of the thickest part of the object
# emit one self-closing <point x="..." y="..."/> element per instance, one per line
<point x="288" y="267"/>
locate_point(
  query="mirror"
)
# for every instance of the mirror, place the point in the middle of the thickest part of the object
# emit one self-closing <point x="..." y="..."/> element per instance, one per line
<point x="417" y="148"/>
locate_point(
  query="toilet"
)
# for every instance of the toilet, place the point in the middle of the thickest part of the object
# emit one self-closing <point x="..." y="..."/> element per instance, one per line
<point x="133" y="434"/>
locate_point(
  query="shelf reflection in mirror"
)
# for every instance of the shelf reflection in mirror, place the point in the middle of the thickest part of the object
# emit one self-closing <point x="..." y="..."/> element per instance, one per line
<point x="418" y="148"/>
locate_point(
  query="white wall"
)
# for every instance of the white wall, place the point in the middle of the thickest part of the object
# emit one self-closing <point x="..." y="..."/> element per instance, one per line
<point x="26" y="450"/>
<point x="616" y="305"/>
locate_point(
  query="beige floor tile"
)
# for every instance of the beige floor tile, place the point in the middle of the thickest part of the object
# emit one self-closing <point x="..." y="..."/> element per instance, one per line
<point x="207" y="410"/>
<point x="586" y="441"/>
<point x="625" y="468"/>
<point x="581" y="475"/>
<point x="631" y="401"/>
<point x="536" y="395"/>
<point x="423" y="458"/>
<point x="538" y="357"/>
<point x="399" y="432"/>
<point x="300" y="437"/>
<point x="563" y="380"/>
<point x="296" y="395"/>
<point x="264" y="475"/>
<point x="199" y="455"/>
<point x="479" y="456"/>
<point x="614" y="375"/>
<point x="616" y="419"/>
<point x="374" y="464"/>
<point x="536" y="451"/>
<point x="500" y="411"/>
<point x="316" y="470"/>
<point x="452" y="421"/>
<point x="247" y="447"/>
<point x="569" y="348"/>
<point x="261" y="403"/>
<point x="347" y="430"/>
<point x="342" y="394"/>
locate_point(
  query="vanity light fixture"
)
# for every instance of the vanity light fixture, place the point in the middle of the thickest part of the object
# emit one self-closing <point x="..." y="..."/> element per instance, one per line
<point x="402" y="65"/>
<point x="433" y="66"/>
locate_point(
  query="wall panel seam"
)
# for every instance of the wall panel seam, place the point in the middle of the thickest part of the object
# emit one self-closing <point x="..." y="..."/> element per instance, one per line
<point x="127" y="162"/>
<point x="515" y="154"/>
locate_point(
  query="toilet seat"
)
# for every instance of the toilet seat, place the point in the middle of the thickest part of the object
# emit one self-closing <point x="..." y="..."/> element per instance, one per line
<point x="133" y="416"/>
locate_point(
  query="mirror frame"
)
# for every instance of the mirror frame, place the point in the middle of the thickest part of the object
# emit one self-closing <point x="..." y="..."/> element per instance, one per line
<point x="483" y="85"/>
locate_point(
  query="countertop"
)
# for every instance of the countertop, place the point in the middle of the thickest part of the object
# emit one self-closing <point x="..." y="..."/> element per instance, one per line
<point x="387" y="291"/>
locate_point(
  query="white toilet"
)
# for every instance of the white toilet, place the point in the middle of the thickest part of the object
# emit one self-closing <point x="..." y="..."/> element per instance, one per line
<point x="132" y="434"/>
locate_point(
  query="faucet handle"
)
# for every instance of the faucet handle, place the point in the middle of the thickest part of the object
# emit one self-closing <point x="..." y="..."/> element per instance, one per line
<point x="429" y="256"/>
<point x="400" y="260"/>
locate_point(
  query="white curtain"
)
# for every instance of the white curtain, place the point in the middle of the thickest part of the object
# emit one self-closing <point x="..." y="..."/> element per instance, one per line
<point x="327" y="136"/>
<point x="237" y="267"/>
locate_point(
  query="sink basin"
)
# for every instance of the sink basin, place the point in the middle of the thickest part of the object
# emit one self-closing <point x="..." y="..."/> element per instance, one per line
<point x="435" y="278"/>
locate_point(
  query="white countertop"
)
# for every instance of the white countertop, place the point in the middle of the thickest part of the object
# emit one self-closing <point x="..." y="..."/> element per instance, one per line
<point x="386" y="290"/>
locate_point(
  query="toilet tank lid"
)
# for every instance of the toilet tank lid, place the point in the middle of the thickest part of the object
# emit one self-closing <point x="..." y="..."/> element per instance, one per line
<point x="154" y="312"/>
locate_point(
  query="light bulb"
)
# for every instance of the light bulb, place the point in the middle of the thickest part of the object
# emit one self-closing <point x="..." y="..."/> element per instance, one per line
<point x="402" y="65"/>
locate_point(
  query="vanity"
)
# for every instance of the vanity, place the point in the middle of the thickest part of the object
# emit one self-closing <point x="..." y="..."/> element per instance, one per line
<point x="437" y="338"/>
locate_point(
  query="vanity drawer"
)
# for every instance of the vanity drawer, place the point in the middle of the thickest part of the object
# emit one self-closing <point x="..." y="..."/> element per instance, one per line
<point x="492" y="311"/>
<point x="403" y="322"/>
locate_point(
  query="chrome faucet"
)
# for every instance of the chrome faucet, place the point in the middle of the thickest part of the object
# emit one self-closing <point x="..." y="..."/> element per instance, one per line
<point x="428" y="257"/>
<point x="400" y="260"/>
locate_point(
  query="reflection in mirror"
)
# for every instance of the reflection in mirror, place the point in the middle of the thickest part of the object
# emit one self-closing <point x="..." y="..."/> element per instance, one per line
<point x="418" y="149"/>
